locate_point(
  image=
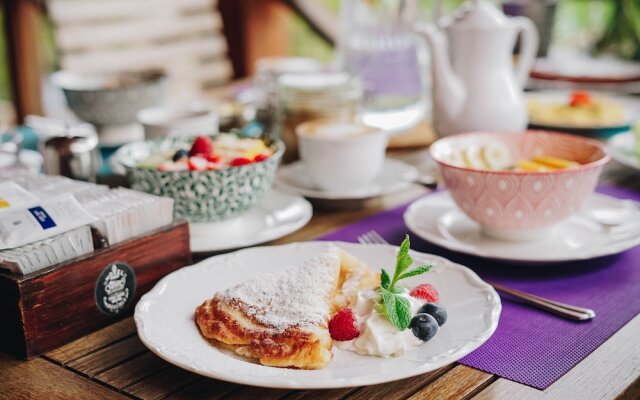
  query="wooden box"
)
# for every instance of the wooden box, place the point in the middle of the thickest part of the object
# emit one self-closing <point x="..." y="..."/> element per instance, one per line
<point x="51" y="307"/>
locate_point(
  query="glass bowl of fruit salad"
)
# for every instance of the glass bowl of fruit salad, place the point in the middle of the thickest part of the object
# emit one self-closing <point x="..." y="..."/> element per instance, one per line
<point x="209" y="178"/>
<point x="518" y="186"/>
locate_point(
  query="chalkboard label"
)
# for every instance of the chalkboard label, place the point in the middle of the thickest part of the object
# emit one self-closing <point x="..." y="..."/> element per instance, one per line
<point x="115" y="288"/>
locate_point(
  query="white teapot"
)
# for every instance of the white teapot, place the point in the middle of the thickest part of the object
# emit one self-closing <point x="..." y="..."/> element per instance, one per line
<point x="479" y="88"/>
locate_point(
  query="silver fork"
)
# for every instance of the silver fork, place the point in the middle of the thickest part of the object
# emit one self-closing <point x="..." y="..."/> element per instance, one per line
<point x="564" y="310"/>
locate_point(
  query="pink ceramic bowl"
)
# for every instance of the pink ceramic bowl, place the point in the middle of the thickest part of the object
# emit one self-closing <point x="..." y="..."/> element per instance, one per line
<point x="512" y="205"/>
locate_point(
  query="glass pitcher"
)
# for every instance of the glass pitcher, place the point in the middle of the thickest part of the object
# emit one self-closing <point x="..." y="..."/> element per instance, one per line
<point x="377" y="45"/>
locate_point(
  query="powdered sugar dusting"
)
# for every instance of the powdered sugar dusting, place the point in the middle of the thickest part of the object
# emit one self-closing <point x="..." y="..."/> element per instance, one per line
<point x="292" y="296"/>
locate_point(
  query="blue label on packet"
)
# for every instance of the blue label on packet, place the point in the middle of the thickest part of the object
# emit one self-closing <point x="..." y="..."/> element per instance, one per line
<point x="42" y="217"/>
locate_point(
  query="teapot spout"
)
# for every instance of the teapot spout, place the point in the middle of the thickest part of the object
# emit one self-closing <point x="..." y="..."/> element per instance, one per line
<point x="448" y="91"/>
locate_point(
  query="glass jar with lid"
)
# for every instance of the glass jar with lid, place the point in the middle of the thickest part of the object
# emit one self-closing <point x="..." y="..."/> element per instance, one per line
<point x="303" y="97"/>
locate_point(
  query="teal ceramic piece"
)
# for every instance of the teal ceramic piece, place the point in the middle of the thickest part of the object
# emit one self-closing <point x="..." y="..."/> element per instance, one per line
<point x="200" y="196"/>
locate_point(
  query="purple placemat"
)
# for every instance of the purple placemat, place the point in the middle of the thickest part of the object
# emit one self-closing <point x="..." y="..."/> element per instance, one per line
<point x="530" y="346"/>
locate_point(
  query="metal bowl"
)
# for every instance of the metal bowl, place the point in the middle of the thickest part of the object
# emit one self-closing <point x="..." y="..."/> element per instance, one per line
<point x="110" y="98"/>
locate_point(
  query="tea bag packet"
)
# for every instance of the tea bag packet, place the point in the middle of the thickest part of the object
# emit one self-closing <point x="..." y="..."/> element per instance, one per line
<point x="48" y="187"/>
<point x="45" y="253"/>
<point x="124" y="214"/>
<point x="41" y="221"/>
<point x="14" y="196"/>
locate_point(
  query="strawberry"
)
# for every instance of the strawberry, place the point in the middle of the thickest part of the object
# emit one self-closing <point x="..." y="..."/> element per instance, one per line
<point x="240" y="161"/>
<point x="579" y="98"/>
<point x="343" y="325"/>
<point x="260" y="157"/>
<point x="197" y="164"/>
<point x="201" y="145"/>
<point x="214" y="158"/>
<point x="425" y="292"/>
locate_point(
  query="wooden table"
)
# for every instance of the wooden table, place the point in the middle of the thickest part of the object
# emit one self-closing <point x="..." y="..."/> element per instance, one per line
<point x="113" y="363"/>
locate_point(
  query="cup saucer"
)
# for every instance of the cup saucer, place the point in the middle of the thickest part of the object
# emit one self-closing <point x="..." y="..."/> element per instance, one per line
<point x="278" y="214"/>
<point x="623" y="149"/>
<point x="395" y="176"/>
<point x="436" y="219"/>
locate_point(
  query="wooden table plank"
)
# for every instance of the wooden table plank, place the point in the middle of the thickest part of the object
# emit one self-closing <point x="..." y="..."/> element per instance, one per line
<point x="459" y="383"/>
<point x="42" y="379"/>
<point x="166" y="381"/>
<point x="397" y="390"/>
<point x="132" y="371"/>
<point x="632" y="392"/>
<point x="328" y="394"/>
<point x="108" y="357"/>
<point x="604" y="374"/>
<point x="93" y="342"/>
<point x="204" y="389"/>
<point x="252" y="392"/>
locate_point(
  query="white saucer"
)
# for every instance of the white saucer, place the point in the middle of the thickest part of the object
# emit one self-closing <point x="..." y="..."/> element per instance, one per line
<point x="164" y="319"/>
<point x="622" y="148"/>
<point x="436" y="219"/>
<point x="396" y="175"/>
<point x="277" y="215"/>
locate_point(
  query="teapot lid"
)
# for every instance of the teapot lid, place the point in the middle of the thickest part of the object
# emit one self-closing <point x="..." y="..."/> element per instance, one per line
<point x="477" y="15"/>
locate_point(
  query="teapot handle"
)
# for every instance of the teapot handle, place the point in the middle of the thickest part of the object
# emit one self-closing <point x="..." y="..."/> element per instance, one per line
<point x="528" y="48"/>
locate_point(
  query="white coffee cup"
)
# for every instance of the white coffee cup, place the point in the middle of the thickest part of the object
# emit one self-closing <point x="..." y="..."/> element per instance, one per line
<point x="341" y="155"/>
<point x="195" y="118"/>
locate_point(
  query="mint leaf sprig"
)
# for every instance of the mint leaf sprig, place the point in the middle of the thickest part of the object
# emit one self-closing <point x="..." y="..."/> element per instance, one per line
<point x="396" y="307"/>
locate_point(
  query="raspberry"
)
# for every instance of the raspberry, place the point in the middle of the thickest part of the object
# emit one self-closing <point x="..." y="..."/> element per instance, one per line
<point x="425" y="292"/>
<point x="201" y="145"/>
<point x="240" y="161"/>
<point x="343" y="325"/>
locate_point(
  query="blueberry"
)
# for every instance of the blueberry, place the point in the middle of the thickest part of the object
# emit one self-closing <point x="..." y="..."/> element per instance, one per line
<point x="424" y="326"/>
<point x="180" y="154"/>
<point x="436" y="311"/>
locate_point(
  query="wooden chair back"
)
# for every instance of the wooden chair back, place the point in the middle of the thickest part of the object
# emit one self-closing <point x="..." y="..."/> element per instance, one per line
<point x="183" y="37"/>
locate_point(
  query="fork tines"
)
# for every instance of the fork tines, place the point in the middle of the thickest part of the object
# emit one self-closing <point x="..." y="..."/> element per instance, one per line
<point x="372" y="237"/>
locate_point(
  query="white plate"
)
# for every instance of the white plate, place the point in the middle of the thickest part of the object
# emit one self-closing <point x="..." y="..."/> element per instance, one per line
<point x="437" y="219"/>
<point x="630" y="105"/>
<point x="395" y="176"/>
<point x="622" y="148"/>
<point x="164" y="318"/>
<point x="277" y="215"/>
<point x="579" y="66"/>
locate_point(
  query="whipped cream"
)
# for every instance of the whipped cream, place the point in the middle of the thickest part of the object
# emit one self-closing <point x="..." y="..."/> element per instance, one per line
<point x="378" y="336"/>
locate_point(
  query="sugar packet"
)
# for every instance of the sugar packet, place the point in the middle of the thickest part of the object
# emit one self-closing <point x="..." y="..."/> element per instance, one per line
<point x="41" y="221"/>
<point x="48" y="252"/>
<point x="14" y="196"/>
